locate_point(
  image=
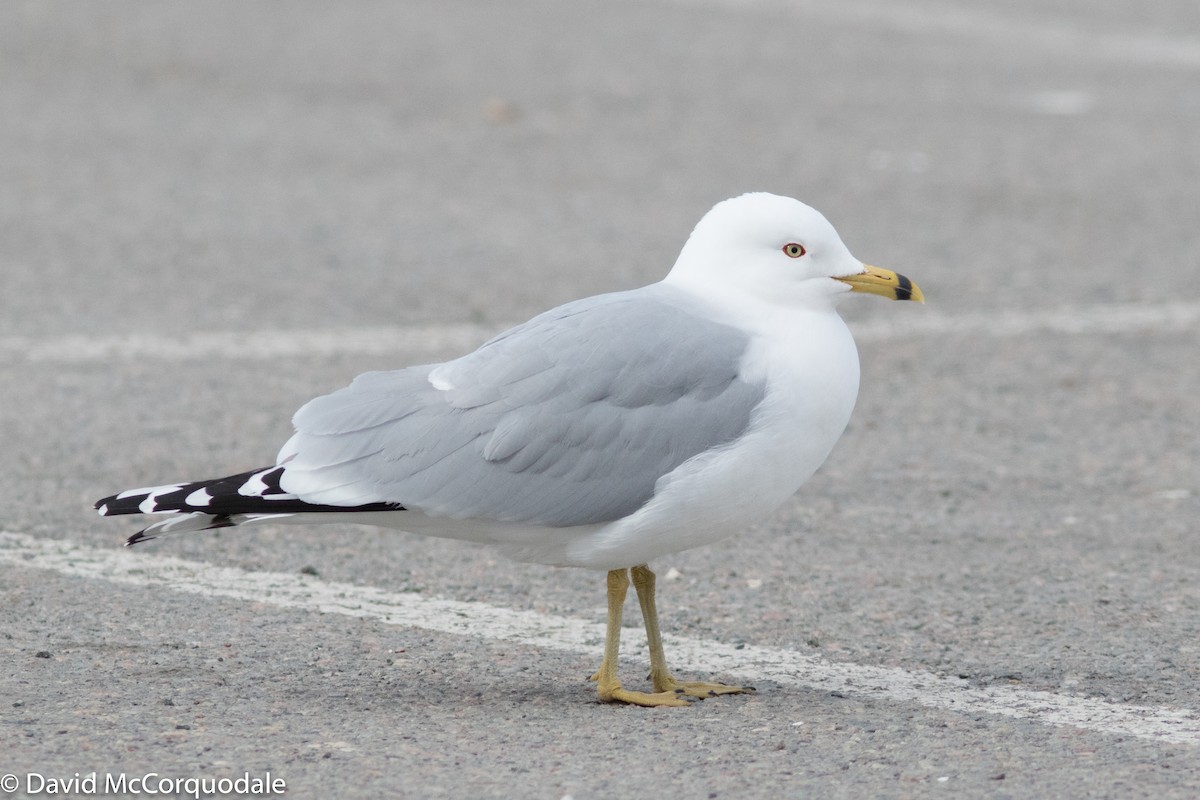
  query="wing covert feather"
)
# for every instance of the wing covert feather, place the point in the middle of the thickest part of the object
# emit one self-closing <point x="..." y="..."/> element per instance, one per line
<point x="569" y="419"/>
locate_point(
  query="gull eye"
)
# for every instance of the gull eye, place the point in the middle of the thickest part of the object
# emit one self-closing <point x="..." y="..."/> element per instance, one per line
<point x="794" y="250"/>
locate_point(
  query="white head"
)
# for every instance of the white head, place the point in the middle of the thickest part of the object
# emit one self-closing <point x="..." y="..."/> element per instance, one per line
<point x="778" y="250"/>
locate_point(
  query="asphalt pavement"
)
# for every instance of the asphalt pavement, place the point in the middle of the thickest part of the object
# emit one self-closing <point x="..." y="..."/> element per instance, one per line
<point x="210" y="213"/>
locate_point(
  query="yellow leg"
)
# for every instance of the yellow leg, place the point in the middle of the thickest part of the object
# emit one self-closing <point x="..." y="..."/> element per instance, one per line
<point x="608" y="686"/>
<point x="664" y="682"/>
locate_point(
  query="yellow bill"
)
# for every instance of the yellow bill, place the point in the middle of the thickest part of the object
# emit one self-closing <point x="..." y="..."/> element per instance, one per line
<point x="877" y="280"/>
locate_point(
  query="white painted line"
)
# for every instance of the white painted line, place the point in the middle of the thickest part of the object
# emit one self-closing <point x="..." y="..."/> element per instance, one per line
<point x="252" y="345"/>
<point x="1077" y="39"/>
<point x="1108" y="319"/>
<point x="440" y="340"/>
<point x="694" y="656"/>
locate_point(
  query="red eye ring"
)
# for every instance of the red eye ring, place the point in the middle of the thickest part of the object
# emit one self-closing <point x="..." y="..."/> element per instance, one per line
<point x="794" y="250"/>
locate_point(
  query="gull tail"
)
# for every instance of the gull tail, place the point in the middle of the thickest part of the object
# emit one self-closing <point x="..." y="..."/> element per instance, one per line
<point x="247" y="497"/>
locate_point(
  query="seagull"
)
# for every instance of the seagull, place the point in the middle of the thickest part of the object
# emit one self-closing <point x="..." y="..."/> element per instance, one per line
<point x="604" y="434"/>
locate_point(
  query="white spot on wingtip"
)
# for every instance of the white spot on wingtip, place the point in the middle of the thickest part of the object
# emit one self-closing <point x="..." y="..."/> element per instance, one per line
<point x="200" y="497"/>
<point x="146" y="490"/>
<point x="103" y="510"/>
<point x="254" y="486"/>
<point x="150" y="504"/>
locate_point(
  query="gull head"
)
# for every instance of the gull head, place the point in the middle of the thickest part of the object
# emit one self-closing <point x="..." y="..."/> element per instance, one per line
<point x="775" y="249"/>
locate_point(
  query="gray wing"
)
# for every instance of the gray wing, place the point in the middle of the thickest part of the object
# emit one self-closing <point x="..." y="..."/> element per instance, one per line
<point x="569" y="419"/>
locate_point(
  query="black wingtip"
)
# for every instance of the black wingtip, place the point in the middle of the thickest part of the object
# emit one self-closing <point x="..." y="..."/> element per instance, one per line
<point x="140" y="536"/>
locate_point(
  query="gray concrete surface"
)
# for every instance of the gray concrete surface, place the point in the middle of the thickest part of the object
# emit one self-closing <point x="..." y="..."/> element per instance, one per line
<point x="1018" y="508"/>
